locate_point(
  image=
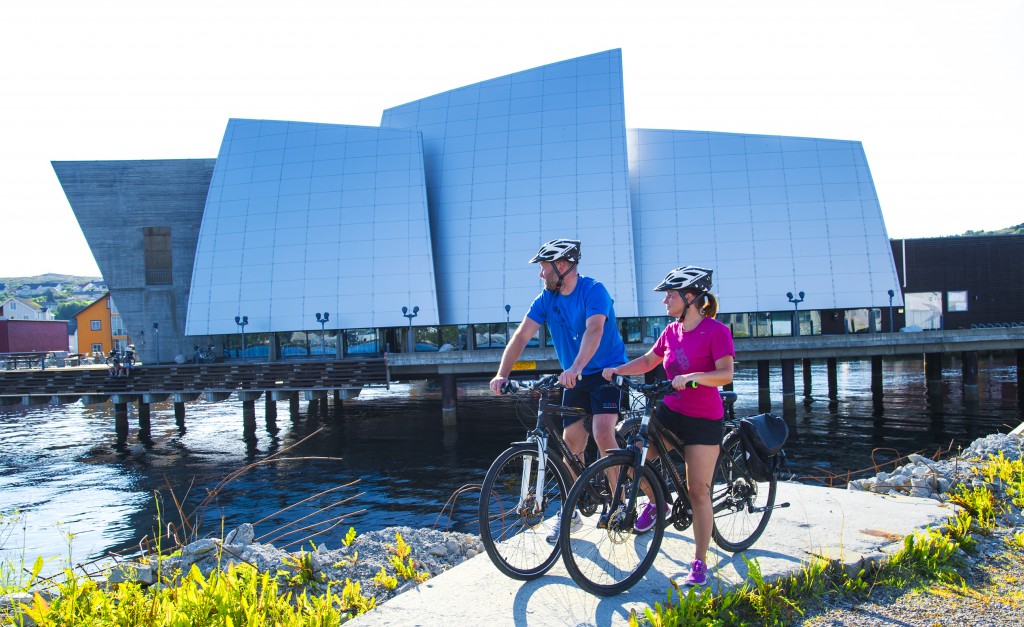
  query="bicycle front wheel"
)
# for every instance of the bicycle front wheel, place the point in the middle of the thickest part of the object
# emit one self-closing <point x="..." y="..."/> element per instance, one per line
<point x="516" y="518"/>
<point x="602" y="552"/>
<point x="742" y="506"/>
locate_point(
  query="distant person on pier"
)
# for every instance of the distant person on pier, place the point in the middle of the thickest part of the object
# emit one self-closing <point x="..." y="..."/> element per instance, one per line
<point x="698" y="354"/>
<point x="578" y="311"/>
<point x="114" y="363"/>
<point x="128" y="361"/>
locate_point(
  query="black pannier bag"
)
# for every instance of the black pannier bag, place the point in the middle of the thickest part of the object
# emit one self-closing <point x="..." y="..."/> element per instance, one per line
<point x="763" y="437"/>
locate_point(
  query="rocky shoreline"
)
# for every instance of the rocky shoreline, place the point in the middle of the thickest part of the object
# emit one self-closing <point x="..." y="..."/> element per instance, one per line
<point x="991" y="593"/>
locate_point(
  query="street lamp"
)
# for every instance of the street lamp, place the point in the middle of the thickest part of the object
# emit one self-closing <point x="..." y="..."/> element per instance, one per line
<point x="241" y="322"/>
<point x="508" y="309"/>
<point x="796" y="300"/>
<point x="891" y="326"/>
<point x="156" y="330"/>
<point x="410" y="315"/>
<point x="322" y="319"/>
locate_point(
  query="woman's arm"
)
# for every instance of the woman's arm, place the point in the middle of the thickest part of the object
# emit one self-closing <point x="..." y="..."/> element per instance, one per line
<point x="721" y="375"/>
<point x="640" y="365"/>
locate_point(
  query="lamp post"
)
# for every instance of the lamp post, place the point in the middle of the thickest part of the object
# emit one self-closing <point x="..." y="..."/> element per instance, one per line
<point x="156" y="330"/>
<point x="410" y="315"/>
<point x="796" y="300"/>
<point x="241" y="322"/>
<point x="892" y="327"/>
<point x="508" y="309"/>
<point x="322" y="319"/>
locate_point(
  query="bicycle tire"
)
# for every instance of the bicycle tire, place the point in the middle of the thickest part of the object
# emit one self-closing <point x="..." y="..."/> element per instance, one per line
<point x="742" y="506"/>
<point x="516" y="541"/>
<point x="609" y="560"/>
<point x="628" y="429"/>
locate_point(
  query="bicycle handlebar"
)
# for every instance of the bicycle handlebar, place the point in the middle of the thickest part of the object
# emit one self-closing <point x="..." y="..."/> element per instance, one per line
<point x="549" y="382"/>
<point x="650" y="389"/>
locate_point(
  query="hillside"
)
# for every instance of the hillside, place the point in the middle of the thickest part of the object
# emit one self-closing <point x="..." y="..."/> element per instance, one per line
<point x="1010" y="230"/>
<point x="13" y="282"/>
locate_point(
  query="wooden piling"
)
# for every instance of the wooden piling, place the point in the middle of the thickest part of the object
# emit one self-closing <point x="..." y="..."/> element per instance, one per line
<point x="764" y="393"/>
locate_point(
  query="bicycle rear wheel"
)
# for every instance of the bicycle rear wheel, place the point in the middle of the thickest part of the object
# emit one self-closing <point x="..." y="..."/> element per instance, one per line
<point x="742" y="506"/>
<point x="514" y="529"/>
<point x="602" y="553"/>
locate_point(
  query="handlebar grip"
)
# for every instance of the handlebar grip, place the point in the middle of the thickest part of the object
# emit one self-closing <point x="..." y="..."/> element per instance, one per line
<point x="691" y="384"/>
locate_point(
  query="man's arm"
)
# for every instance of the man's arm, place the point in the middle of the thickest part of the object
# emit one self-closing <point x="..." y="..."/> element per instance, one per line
<point x="513" y="350"/>
<point x="588" y="346"/>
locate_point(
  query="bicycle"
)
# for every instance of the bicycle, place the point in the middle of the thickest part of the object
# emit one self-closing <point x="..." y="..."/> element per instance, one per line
<point x="604" y="555"/>
<point x="525" y="487"/>
<point x="203" y="355"/>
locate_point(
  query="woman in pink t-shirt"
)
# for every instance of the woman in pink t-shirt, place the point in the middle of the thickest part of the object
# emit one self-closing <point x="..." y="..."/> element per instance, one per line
<point x="697" y="352"/>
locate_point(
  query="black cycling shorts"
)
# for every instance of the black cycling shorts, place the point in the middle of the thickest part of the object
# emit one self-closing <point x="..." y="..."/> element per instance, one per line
<point x="593" y="393"/>
<point x="688" y="429"/>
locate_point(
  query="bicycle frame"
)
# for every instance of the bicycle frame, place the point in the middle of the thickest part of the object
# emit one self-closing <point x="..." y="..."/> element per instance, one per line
<point x="540" y="436"/>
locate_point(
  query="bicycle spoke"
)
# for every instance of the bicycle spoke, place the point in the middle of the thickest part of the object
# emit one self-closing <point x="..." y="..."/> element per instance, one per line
<point x="514" y="531"/>
<point x="742" y="506"/>
<point x="603" y="554"/>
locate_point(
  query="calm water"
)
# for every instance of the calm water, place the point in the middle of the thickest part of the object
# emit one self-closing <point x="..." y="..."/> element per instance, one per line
<point x="62" y="467"/>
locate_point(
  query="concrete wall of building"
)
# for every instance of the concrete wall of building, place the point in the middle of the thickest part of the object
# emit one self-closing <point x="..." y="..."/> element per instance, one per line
<point x="113" y="202"/>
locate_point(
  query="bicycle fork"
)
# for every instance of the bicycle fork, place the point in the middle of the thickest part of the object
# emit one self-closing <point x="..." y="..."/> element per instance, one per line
<point x="541" y="440"/>
<point x="621" y="516"/>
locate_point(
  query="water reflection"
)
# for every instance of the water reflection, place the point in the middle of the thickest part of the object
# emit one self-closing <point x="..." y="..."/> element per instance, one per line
<point x="100" y="475"/>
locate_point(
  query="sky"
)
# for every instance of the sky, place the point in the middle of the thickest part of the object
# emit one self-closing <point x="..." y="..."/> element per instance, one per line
<point x="933" y="89"/>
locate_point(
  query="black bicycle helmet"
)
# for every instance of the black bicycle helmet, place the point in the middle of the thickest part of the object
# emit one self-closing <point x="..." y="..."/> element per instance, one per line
<point x="687" y="278"/>
<point x="568" y="249"/>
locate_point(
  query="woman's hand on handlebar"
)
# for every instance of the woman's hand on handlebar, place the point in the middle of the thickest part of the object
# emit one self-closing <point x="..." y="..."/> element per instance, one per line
<point x="683" y="381"/>
<point x="608" y="373"/>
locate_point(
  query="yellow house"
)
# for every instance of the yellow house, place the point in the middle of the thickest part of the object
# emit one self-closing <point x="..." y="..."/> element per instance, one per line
<point x="100" y="328"/>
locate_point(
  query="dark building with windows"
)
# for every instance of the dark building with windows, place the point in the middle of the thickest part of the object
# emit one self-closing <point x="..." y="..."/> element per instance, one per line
<point x="960" y="282"/>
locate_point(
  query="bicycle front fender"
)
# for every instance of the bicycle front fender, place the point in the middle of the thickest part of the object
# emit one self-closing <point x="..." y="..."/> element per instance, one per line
<point x="620" y="453"/>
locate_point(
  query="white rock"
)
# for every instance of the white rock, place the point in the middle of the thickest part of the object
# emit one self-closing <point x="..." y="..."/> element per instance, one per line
<point x="244" y="534"/>
<point x="132" y="572"/>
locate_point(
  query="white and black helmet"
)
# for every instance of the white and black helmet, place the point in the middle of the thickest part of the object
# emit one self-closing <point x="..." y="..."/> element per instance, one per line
<point x="687" y="278"/>
<point x="568" y="249"/>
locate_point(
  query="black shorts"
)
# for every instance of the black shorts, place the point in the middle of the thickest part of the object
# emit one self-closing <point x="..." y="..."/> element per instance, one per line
<point x="593" y="393"/>
<point x="688" y="429"/>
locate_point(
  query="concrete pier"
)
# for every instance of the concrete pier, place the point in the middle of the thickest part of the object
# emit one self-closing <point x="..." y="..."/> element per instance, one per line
<point x="807" y="380"/>
<point x="764" y="394"/>
<point x="145" y="422"/>
<point x="832" y="374"/>
<point x="969" y="372"/>
<point x="876" y="376"/>
<point x="933" y="373"/>
<point x="179" y="416"/>
<point x="788" y="386"/>
<point x="449" y="398"/>
<point x="847" y="526"/>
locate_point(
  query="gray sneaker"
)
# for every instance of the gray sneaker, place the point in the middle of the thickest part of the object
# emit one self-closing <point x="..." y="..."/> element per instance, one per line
<point x="577" y="520"/>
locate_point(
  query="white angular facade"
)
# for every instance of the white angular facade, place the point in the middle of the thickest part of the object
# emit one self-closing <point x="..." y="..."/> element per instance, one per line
<point x="442" y="206"/>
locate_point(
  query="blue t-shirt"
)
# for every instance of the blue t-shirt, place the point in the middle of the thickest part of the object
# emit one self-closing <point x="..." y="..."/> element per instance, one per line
<point x="566" y="316"/>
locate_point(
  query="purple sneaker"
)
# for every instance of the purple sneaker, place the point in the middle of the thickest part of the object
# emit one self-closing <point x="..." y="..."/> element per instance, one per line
<point x="698" y="574"/>
<point x="645" y="521"/>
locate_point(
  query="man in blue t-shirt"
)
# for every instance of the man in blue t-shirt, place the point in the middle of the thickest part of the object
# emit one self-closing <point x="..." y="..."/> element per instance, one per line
<point x="578" y="312"/>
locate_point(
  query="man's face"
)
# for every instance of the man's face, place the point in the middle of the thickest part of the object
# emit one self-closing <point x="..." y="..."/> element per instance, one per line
<point x="549" y="274"/>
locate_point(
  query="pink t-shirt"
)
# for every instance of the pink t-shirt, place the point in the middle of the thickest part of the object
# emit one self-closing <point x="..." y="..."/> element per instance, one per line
<point x="694" y="351"/>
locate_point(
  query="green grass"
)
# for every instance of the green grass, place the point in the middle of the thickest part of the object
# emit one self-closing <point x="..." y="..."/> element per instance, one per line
<point x="239" y="595"/>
